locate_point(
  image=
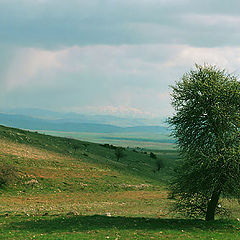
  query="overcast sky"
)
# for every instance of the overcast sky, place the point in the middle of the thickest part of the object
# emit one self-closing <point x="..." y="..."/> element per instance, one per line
<point x="110" y="56"/>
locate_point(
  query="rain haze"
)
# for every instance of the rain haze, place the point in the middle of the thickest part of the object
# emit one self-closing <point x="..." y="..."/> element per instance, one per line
<point x="112" y="57"/>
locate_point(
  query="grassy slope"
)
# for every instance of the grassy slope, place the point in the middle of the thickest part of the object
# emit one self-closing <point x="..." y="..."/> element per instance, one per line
<point x="56" y="161"/>
<point x="68" y="189"/>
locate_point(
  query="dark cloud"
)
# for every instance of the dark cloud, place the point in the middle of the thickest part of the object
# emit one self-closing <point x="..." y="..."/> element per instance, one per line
<point x="116" y="54"/>
<point x="56" y="24"/>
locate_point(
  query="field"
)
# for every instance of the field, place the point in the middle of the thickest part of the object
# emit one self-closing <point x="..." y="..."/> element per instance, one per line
<point x="70" y="189"/>
<point x="156" y="141"/>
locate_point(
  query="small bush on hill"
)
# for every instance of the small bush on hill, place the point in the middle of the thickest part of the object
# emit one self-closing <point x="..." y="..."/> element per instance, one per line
<point x="152" y="155"/>
<point x="8" y="174"/>
<point x="110" y="146"/>
<point x="119" y="153"/>
<point x="159" y="164"/>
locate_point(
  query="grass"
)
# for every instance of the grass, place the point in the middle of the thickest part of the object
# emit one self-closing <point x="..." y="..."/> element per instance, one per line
<point x="70" y="189"/>
<point x="105" y="227"/>
<point x="127" y="203"/>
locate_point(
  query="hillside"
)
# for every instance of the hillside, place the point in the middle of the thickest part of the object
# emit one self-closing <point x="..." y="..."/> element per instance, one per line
<point x="70" y="189"/>
<point x="55" y="163"/>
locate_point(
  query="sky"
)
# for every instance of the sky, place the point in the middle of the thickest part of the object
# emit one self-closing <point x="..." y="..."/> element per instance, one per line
<point x="115" y="57"/>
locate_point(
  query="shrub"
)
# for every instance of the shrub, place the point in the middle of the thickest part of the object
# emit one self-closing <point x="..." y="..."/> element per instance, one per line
<point x="119" y="153"/>
<point x="159" y="164"/>
<point x="152" y="155"/>
<point x="8" y="174"/>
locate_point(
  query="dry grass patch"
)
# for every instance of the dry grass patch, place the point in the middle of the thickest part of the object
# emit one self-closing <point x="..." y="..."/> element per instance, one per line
<point x="129" y="203"/>
<point x="139" y="195"/>
<point x="27" y="151"/>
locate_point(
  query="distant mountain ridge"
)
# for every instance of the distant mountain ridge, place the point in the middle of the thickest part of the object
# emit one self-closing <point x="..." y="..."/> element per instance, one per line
<point x="85" y="118"/>
<point x="71" y="125"/>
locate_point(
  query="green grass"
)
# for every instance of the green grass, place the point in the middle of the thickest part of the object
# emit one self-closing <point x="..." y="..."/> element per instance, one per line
<point x="70" y="189"/>
<point x="104" y="227"/>
<point x="136" y="166"/>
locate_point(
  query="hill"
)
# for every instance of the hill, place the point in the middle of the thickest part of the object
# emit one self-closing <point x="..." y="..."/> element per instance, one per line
<point x="71" y="189"/>
<point x="69" y="160"/>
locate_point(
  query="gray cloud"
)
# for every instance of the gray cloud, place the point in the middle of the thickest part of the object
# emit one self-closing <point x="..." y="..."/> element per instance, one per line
<point x="55" y="24"/>
<point x="110" y="55"/>
<point x="135" y="77"/>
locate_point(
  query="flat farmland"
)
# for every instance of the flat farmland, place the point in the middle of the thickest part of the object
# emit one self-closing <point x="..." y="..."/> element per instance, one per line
<point x="155" y="141"/>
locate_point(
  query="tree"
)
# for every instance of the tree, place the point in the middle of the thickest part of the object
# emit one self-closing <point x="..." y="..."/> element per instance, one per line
<point x="119" y="153"/>
<point x="153" y="155"/>
<point x="75" y="146"/>
<point x="206" y="125"/>
<point x="159" y="162"/>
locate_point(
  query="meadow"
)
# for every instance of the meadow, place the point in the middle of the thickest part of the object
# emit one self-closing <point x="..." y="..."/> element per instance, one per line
<point x="71" y="189"/>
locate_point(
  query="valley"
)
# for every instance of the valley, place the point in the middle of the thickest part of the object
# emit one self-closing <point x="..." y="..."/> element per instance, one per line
<point x="66" y="188"/>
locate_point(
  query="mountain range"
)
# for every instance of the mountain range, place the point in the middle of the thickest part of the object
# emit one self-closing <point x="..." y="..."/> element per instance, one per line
<point x="38" y="119"/>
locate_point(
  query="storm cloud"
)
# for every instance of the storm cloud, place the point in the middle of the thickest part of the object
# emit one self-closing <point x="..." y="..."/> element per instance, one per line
<point x="110" y="56"/>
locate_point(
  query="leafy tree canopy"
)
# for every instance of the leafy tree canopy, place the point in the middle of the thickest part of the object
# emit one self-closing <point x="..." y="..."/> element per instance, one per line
<point x="206" y="126"/>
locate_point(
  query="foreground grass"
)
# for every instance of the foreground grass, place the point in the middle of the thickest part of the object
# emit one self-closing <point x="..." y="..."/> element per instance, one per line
<point x="101" y="215"/>
<point x="104" y="227"/>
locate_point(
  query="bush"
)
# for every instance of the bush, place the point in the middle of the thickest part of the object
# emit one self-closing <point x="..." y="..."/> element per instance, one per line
<point x="159" y="164"/>
<point x="152" y="155"/>
<point x="119" y="153"/>
<point x="8" y="174"/>
<point x="110" y="146"/>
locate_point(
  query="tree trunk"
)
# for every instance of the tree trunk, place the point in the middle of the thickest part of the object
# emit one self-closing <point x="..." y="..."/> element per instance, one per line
<point x="212" y="205"/>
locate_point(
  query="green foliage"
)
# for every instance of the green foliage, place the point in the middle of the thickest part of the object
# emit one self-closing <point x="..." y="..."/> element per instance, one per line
<point x="152" y="155"/>
<point x="207" y="128"/>
<point x="110" y="146"/>
<point x="159" y="164"/>
<point x="8" y="174"/>
<point x="119" y="153"/>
